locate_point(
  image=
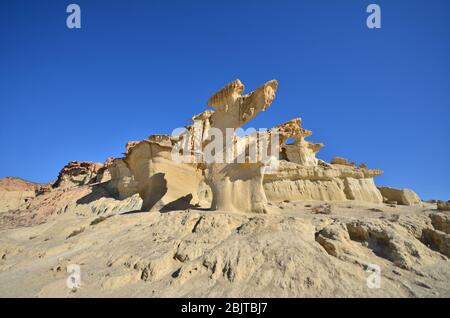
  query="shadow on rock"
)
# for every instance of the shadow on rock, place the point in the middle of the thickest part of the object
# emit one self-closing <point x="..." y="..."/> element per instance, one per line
<point x="99" y="190"/>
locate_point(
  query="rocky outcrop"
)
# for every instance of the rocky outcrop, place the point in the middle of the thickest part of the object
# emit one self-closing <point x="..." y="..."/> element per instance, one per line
<point x="17" y="184"/>
<point x="441" y="222"/>
<point x="166" y="184"/>
<point x="300" y="175"/>
<point x="15" y="192"/>
<point x="401" y="196"/>
<point x="77" y="173"/>
<point x="120" y="180"/>
<point x="307" y="184"/>
<point x="103" y="173"/>
<point x="242" y="186"/>
<point x="443" y="205"/>
<point x="162" y="183"/>
<point x="238" y="186"/>
<point x="342" y="161"/>
<point x="313" y="179"/>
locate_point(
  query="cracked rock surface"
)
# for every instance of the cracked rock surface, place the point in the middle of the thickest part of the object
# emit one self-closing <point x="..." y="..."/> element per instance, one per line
<point x="199" y="253"/>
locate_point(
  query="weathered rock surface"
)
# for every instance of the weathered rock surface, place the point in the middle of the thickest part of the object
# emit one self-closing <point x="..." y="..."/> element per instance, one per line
<point x="236" y="186"/>
<point x="77" y="173"/>
<point x="120" y="181"/>
<point x="401" y="196"/>
<point x="341" y="161"/>
<point x="243" y="187"/>
<point x="17" y="184"/>
<point x="79" y="200"/>
<point x="296" y="253"/>
<point x="443" y="205"/>
<point x="327" y="183"/>
<point x="162" y="183"/>
<point x="15" y="192"/>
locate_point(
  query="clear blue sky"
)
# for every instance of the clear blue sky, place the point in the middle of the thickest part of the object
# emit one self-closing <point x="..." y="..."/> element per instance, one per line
<point x="142" y="67"/>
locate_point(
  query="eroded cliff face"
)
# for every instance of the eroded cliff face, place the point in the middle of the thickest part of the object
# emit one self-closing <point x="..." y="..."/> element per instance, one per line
<point x="118" y="179"/>
<point x="323" y="182"/>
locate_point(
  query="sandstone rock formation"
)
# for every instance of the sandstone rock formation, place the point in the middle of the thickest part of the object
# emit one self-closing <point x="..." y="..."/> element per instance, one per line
<point x="247" y="186"/>
<point x="118" y="178"/>
<point x="238" y="186"/>
<point x="322" y="182"/>
<point x="103" y="173"/>
<point x="401" y="196"/>
<point x="77" y="173"/>
<point x="342" y="161"/>
<point x="162" y="183"/>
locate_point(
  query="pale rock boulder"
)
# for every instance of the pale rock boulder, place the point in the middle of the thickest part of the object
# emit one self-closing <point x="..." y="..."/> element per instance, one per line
<point x="362" y="190"/>
<point x="402" y="196"/>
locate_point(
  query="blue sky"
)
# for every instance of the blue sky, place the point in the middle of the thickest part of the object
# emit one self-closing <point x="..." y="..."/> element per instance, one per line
<point x="137" y="68"/>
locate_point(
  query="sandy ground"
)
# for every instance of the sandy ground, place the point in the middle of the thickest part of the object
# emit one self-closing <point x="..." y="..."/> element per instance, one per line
<point x="295" y="253"/>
